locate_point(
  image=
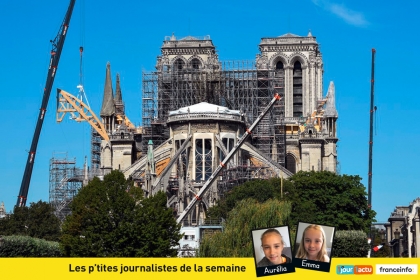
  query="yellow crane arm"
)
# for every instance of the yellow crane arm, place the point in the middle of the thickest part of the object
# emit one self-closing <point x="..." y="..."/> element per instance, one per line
<point x="67" y="103"/>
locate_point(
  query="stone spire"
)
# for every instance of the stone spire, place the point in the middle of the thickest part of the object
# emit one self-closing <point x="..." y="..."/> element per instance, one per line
<point x="118" y="95"/>
<point x="119" y="106"/>
<point x="108" y="108"/>
<point x="330" y="110"/>
<point x="309" y="34"/>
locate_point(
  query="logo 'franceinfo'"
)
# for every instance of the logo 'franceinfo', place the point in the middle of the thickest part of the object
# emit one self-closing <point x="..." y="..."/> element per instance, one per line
<point x="396" y="269"/>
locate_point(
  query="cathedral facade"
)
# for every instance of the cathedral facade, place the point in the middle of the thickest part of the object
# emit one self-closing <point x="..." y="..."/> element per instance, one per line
<point x="196" y="107"/>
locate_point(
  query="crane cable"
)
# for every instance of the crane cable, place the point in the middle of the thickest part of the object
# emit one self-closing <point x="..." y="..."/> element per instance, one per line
<point x="81" y="94"/>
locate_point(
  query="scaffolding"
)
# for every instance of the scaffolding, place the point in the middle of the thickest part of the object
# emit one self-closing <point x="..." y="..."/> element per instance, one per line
<point x="95" y="150"/>
<point x="248" y="170"/>
<point x="65" y="181"/>
<point x="238" y="85"/>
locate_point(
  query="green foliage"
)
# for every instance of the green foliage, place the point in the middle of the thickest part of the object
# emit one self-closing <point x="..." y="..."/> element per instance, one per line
<point x="350" y="244"/>
<point x="248" y="214"/>
<point x="331" y="199"/>
<point x="260" y="190"/>
<point x="158" y="230"/>
<point x="316" y="197"/>
<point x="37" y="220"/>
<point x="110" y="218"/>
<point x="25" y="246"/>
<point x="385" y="251"/>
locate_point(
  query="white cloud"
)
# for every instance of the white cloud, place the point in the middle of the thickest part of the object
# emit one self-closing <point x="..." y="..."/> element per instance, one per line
<point x="348" y="15"/>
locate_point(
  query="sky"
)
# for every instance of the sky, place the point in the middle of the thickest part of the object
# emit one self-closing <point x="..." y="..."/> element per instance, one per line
<point x="129" y="34"/>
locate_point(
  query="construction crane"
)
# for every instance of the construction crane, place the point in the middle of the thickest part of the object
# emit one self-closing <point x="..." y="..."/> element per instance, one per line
<point x="213" y="176"/>
<point x="57" y="46"/>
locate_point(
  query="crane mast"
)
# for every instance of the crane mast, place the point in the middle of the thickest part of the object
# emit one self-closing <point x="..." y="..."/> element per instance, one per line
<point x="213" y="176"/>
<point x="372" y="87"/>
<point x="57" y="46"/>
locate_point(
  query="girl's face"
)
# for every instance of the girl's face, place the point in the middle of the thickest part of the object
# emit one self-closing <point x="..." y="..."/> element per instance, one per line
<point x="313" y="243"/>
<point x="272" y="245"/>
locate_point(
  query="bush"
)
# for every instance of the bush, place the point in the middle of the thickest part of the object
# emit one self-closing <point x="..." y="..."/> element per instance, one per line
<point x="25" y="246"/>
<point x="247" y="215"/>
<point x="350" y="244"/>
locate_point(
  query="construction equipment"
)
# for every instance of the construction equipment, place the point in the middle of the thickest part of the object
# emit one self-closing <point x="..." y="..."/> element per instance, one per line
<point x="213" y="176"/>
<point x="372" y="87"/>
<point x="57" y="46"/>
<point x="67" y="103"/>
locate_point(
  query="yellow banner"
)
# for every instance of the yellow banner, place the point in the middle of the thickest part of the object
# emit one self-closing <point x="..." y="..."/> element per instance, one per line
<point x="198" y="268"/>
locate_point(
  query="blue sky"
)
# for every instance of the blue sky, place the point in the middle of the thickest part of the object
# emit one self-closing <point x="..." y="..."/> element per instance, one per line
<point x="129" y="35"/>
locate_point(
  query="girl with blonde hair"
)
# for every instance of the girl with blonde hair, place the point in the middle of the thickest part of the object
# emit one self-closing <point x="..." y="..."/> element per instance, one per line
<point x="313" y="244"/>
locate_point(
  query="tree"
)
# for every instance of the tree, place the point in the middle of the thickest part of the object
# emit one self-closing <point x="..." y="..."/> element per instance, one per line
<point x="350" y="244"/>
<point x="37" y="220"/>
<point x="377" y="240"/>
<point x="331" y="199"/>
<point x="316" y="197"/>
<point x="260" y="190"/>
<point x="110" y="218"/>
<point x="248" y="214"/>
<point x="26" y="246"/>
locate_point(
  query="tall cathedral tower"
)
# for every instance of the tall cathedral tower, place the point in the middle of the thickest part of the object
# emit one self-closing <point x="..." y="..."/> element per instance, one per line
<point x="119" y="151"/>
<point x="299" y="61"/>
<point x="309" y="118"/>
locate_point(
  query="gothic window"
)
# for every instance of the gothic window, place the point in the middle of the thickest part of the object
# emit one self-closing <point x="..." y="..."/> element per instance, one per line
<point x="291" y="163"/>
<point x="228" y="143"/>
<point x="297" y="90"/>
<point x="179" y="64"/>
<point x="195" y="64"/>
<point x="203" y="159"/>
<point x="279" y="79"/>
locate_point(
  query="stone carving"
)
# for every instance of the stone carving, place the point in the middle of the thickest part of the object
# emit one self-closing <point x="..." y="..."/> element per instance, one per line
<point x="279" y="57"/>
<point x="262" y="61"/>
<point x="212" y="62"/>
<point x="195" y="57"/>
<point x="298" y="56"/>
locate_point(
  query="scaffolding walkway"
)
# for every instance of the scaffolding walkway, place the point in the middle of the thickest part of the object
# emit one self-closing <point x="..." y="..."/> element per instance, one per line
<point x="65" y="181"/>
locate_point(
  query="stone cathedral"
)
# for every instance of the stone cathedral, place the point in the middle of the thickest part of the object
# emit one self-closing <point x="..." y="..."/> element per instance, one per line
<point x="196" y="107"/>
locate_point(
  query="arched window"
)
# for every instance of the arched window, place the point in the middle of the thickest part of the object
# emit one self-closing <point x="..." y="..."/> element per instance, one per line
<point x="203" y="159"/>
<point x="291" y="163"/>
<point x="228" y="143"/>
<point x="297" y="90"/>
<point x="279" y="81"/>
<point x="195" y="63"/>
<point x="179" y="64"/>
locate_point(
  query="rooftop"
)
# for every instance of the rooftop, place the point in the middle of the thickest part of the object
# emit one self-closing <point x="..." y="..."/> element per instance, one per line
<point x="205" y="107"/>
<point x="205" y="111"/>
